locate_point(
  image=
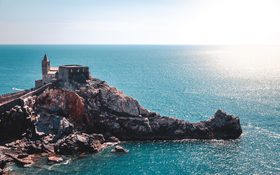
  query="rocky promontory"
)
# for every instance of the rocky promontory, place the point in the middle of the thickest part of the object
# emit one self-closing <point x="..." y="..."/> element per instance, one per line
<point x="71" y="118"/>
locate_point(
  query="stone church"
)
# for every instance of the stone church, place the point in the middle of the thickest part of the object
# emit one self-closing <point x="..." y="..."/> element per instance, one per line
<point x="67" y="73"/>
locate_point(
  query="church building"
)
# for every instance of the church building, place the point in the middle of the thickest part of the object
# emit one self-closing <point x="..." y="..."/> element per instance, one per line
<point x="67" y="73"/>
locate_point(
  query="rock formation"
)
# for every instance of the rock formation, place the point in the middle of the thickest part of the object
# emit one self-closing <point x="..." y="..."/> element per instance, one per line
<point x="72" y="118"/>
<point x="15" y="122"/>
<point x="119" y="149"/>
<point x="95" y="107"/>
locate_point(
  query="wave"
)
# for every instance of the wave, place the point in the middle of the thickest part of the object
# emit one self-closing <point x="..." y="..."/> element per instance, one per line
<point x="17" y="89"/>
<point x="265" y="131"/>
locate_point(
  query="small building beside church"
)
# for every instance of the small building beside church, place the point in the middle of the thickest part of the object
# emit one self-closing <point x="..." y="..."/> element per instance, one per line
<point x="67" y="73"/>
<point x="74" y="72"/>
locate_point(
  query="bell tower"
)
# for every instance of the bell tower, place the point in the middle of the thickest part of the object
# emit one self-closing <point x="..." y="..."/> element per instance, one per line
<point x="45" y="66"/>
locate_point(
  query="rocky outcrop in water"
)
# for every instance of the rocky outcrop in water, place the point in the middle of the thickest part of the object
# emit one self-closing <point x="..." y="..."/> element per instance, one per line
<point x="79" y="143"/>
<point x="119" y="149"/>
<point x="95" y="107"/>
<point x="73" y="118"/>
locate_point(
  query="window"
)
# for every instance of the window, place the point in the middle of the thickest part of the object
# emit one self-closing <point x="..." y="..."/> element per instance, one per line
<point x="71" y="70"/>
<point x="78" y="70"/>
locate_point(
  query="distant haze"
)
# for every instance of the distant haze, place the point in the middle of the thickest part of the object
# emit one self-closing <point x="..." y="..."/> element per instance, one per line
<point x="140" y="22"/>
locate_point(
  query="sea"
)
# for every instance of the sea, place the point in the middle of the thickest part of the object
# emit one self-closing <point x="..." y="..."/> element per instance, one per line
<point x="185" y="81"/>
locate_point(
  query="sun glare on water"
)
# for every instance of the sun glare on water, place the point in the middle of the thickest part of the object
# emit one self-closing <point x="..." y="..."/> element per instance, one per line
<point x="249" y="61"/>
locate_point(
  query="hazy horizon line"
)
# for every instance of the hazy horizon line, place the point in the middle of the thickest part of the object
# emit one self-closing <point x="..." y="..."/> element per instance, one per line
<point x="137" y="44"/>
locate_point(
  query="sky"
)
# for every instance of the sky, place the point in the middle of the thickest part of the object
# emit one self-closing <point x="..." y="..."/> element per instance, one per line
<point x="203" y="22"/>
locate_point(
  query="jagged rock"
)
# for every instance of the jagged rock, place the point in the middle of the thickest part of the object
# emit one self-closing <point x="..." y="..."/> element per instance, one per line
<point x="16" y="122"/>
<point x="112" y="139"/>
<point x="3" y="162"/>
<point x="33" y="147"/>
<point x="104" y="109"/>
<point x="4" y="159"/>
<point x="27" y="161"/>
<point x="21" y="156"/>
<point x="225" y="126"/>
<point x="63" y="118"/>
<point x="79" y="143"/>
<point x="119" y="149"/>
<point x="49" y="148"/>
<point x="55" y="159"/>
<point x="26" y="146"/>
<point x="61" y="102"/>
<point x="4" y="172"/>
<point x="65" y="128"/>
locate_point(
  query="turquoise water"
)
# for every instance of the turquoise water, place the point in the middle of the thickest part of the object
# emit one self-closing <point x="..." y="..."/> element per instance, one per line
<point x="189" y="82"/>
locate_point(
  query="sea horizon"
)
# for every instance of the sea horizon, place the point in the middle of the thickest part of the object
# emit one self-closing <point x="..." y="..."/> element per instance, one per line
<point x="188" y="82"/>
<point x="142" y="87"/>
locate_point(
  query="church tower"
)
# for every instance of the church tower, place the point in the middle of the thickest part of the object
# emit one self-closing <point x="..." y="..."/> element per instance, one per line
<point x="45" y="66"/>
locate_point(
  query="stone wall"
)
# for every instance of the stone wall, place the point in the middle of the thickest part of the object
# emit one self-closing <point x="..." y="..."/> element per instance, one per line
<point x="11" y="96"/>
<point x="18" y="98"/>
<point x="10" y="104"/>
<point x="63" y="73"/>
<point x="77" y="73"/>
<point x="36" y="91"/>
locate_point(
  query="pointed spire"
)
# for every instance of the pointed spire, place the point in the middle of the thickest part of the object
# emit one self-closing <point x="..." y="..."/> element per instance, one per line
<point x="45" y="58"/>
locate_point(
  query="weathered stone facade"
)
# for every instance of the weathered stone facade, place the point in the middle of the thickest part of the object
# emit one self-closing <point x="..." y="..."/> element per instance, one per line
<point x="77" y="73"/>
<point x="67" y="73"/>
<point x="49" y="73"/>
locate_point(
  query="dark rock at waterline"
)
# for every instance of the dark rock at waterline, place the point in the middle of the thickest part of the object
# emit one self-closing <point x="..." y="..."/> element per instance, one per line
<point x="23" y="162"/>
<point x="24" y="152"/>
<point x="3" y="162"/>
<point x="55" y="159"/>
<point x="112" y="139"/>
<point x="225" y="126"/>
<point x="26" y="146"/>
<point x="119" y="149"/>
<point x="79" y="143"/>
<point x="71" y="118"/>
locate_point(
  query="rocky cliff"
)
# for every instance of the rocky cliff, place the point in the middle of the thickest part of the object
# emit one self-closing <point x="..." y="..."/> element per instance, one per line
<point x="95" y="107"/>
<point x="85" y="117"/>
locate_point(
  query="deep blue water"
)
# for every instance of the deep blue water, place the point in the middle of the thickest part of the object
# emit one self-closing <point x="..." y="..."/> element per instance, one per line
<point x="189" y="82"/>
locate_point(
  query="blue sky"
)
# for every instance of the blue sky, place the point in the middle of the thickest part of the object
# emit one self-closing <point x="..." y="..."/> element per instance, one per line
<point x="139" y="22"/>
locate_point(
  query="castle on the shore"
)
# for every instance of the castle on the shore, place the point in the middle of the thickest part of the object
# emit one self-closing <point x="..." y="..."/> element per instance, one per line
<point x="66" y="73"/>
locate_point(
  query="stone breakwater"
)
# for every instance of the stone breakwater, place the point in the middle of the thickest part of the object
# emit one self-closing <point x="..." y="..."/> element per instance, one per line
<point x="72" y="118"/>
